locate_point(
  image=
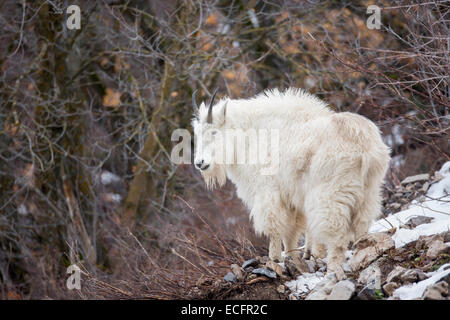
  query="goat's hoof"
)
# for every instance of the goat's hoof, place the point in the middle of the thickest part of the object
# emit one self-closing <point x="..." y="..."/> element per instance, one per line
<point x="275" y="259"/>
<point x="307" y="255"/>
<point x="338" y="271"/>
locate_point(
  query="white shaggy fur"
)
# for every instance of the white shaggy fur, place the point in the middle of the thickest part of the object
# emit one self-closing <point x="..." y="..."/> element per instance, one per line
<point x="331" y="169"/>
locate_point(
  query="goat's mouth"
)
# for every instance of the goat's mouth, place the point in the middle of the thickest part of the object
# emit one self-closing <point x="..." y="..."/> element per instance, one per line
<point x="206" y="166"/>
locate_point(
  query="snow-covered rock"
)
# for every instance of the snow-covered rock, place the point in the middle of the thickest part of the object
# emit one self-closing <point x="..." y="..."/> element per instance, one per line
<point x="304" y="283"/>
<point x="416" y="290"/>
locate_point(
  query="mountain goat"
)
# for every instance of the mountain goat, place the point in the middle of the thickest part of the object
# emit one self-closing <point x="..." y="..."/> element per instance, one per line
<point x="329" y="174"/>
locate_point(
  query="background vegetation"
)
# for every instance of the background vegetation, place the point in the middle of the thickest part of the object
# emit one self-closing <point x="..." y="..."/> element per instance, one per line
<point x="86" y="118"/>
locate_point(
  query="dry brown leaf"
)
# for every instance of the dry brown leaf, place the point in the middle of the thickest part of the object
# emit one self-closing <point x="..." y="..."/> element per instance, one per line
<point x="12" y="295"/>
<point x="103" y="62"/>
<point x="111" y="98"/>
<point x="212" y="19"/>
<point x="229" y="75"/>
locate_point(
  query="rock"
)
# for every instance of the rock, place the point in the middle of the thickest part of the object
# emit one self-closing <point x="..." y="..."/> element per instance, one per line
<point x="230" y="277"/>
<point x="437" y="176"/>
<point x="417" y="221"/>
<point x="321" y="264"/>
<point x="322" y="289"/>
<point x="265" y="272"/>
<point x="312" y="265"/>
<point x="402" y="275"/>
<point x="281" y="289"/>
<point x="446" y="236"/>
<point x="295" y="267"/>
<point x="251" y="276"/>
<point x="291" y="269"/>
<point x="343" y="290"/>
<point x="427" y="240"/>
<point x="416" y="178"/>
<point x="409" y="276"/>
<point x="264" y="259"/>
<point x="369" y="248"/>
<point x="237" y="271"/>
<point x="395" y="274"/>
<point x="436" y="248"/>
<point x="437" y="291"/>
<point x="390" y="287"/>
<point x="366" y="294"/>
<point x="302" y="265"/>
<point x="250" y="263"/>
<point x="371" y="276"/>
<point x="271" y="265"/>
<point x="395" y="205"/>
<point x="421" y="275"/>
<point x="317" y="295"/>
<point x="379" y="239"/>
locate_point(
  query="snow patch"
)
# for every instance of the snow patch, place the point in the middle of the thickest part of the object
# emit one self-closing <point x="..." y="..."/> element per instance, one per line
<point x="437" y="207"/>
<point x="108" y="177"/>
<point x="304" y="283"/>
<point x="416" y="290"/>
<point x="395" y="138"/>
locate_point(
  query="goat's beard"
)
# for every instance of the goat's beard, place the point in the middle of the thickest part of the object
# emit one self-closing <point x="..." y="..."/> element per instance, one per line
<point x="216" y="177"/>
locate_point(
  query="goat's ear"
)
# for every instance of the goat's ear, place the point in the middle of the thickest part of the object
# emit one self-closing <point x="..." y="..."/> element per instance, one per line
<point x="221" y="114"/>
<point x="201" y="113"/>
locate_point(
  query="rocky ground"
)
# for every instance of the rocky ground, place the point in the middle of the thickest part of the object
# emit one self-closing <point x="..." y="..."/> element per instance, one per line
<point x="406" y="255"/>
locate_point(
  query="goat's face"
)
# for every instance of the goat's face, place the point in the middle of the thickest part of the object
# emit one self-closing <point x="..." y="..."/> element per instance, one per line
<point x="209" y="144"/>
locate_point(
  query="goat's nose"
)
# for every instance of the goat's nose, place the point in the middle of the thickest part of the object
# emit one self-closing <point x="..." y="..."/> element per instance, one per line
<point x="199" y="164"/>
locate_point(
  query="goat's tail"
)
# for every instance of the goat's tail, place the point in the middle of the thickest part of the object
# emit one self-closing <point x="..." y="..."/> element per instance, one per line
<point x="373" y="170"/>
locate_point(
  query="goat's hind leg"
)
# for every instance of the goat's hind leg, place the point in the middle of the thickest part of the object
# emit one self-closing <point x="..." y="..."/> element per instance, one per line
<point x="308" y="246"/>
<point x="290" y="241"/>
<point x="331" y="224"/>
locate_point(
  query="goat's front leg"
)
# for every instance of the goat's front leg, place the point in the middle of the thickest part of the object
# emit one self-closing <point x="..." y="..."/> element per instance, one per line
<point x="268" y="220"/>
<point x="275" y="248"/>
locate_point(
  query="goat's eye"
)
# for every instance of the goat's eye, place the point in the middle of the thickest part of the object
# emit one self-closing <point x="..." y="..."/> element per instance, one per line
<point x="213" y="132"/>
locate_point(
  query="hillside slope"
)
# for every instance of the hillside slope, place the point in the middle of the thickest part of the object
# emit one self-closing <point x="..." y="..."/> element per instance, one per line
<point x="406" y="255"/>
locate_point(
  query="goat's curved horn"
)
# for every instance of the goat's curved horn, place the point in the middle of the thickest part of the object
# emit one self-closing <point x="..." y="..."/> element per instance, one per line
<point x="209" y="117"/>
<point x="194" y="103"/>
